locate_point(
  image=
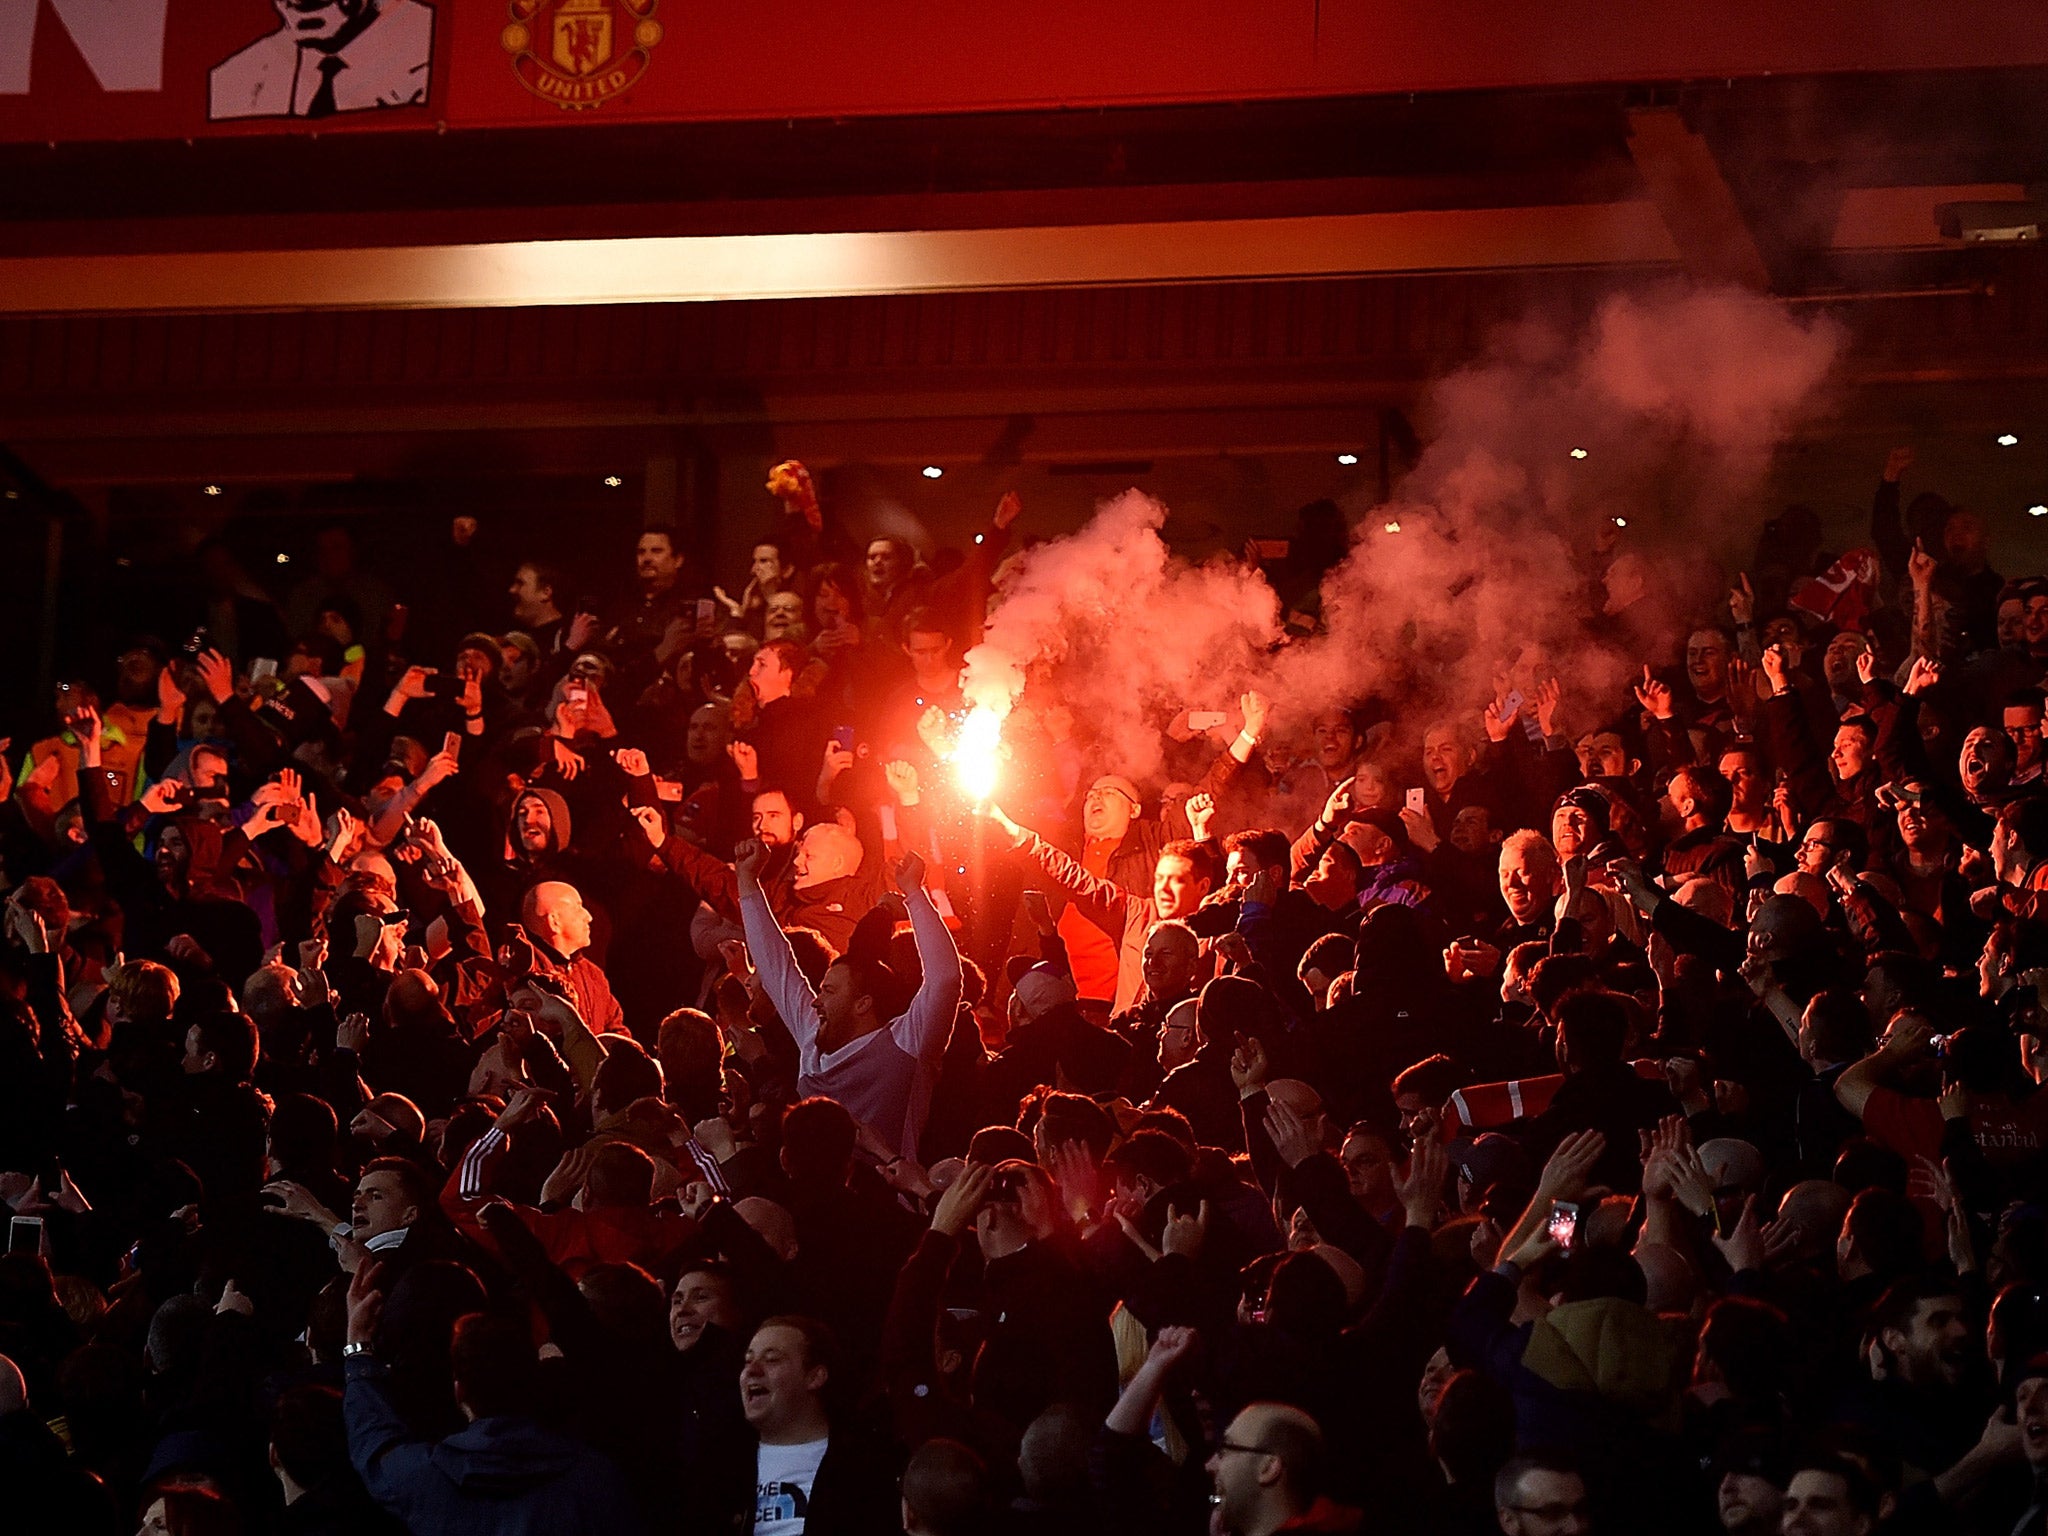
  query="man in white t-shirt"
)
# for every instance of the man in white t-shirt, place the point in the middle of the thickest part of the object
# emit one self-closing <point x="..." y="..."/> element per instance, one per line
<point x="782" y="1393"/>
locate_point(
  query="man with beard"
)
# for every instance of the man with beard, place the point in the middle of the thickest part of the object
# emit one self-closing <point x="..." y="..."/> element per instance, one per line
<point x="536" y="847"/>
<point x="1922" y="1399"/>
<point x="329" y="56"/>
<point x="1267" y="1473"/>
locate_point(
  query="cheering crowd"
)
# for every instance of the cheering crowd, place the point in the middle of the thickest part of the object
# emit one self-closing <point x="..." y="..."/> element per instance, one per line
<point x="479" y="1058"/>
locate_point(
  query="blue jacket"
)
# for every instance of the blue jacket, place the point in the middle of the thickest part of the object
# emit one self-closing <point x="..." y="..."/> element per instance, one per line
<point x="499" y="1477"/>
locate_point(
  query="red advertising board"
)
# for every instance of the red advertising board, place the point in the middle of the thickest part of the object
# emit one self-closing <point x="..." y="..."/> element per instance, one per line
<point x="115" y="69"/>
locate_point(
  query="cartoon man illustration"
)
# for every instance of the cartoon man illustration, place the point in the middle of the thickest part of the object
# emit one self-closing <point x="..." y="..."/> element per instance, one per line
<point x="330" y="56"/>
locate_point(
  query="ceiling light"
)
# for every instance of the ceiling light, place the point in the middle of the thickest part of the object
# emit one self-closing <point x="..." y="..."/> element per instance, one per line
<point x="1621" y="522"/>
<point x="613" y="482"/>
<point x="2008" y="440"/>
<point x="1393" y="527"/>
<point x="211" y="490"/>
<point x="1347" y="459"/>
<point x="932" y="471"/>
<point x="2037" y="510"/>
<point x="283" y="558"/>
<point x="1578" y="453"/>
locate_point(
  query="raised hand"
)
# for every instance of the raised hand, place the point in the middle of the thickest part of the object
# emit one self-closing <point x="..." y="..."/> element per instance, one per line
<point x="218" y="675"/>
<point x="632" y="762"/>
<point x="1654" y="694"/>
<point x="1742" y="688"/>
<point x="1742" y="600"/>
<point x="1932" y="1182"/>
<point x="348" y="835"/>
<point x="737" y="961"/>
<point x="1255" y="707"/>
<point x="1336" y="809"/>
<point x="1923" y="676"/>
<point x="1752" y="1246"/>
<point x="162" y="797"/>
<point x="85" y="725"/>
<point x="1420" y="828"/>
<point x="412" y="683"/>
<point x="1420" y="1188"/>
<point x="1500" y="720"/>
<point x="1185" y="1234"/>
<point x="653" y="824"/>
<point x="1172" y="1345"/>
<point x="749" y="858"/>
<point x="352" y="1033"/>
<point x="1201" y="810"/>
<point x="170" y="698"/>
<point x="963" y="1200"/>
<point x="1549" y="701"/>
<point x="521" y="1106"/>
<point x="1896" y="463"/>
<point x="901" y="777"/>
<point x="441" y="767"/>
<point x="1249" y="1066"/>
<point x="1289" y="1134"/>
<point x="909" y="873"/>
<point x="294" y="1199"/>
<point x="1231" y="948"/>
<point x="1467" y="962"/>
<point x="365" y="1301"/>
<point x="1921" y="566"/>
<point x="1564" y="1175"/>
<point x="746" y="759"/>
<point x="1039" y="910"/>
<point x="1866" y="668"/>
<point x="1077" y="1176"/>
<point x="1008" y="508"/>
<point x="1777" y="668"/>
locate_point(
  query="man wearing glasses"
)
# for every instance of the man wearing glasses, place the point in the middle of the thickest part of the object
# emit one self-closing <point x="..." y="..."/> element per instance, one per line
<point x="1266" y="1470"/>
<point x="1541" y="1496"/>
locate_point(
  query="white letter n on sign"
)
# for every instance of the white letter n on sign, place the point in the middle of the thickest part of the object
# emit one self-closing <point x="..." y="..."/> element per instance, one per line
<point x="122" y="41"/>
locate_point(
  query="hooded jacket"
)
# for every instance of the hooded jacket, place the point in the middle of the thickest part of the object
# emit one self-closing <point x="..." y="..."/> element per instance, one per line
<point x="499" y="1476"/>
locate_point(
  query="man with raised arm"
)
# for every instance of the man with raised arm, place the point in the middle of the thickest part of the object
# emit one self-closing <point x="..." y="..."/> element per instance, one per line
<point x="849" y="1048"/>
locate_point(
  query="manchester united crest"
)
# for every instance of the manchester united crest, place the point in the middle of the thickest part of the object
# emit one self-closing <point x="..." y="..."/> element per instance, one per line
<point x="581" y="53"/>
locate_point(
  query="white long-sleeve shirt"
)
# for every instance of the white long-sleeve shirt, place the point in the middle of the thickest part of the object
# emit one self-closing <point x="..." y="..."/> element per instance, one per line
<point x="884" y="1079"/>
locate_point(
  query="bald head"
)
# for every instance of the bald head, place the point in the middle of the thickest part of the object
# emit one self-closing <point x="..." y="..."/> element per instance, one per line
<point x="1814" y="1209"/>
<point x="776" y="1227"/>
<point x="1292" y="1093"/>
<point x="414" y="992"/>
<point x="1291" y="1440"/>
<point x="553" y="914"/>
<point x="13" y="1388"/>
<point x="826" y="852"/>
<point x="1810" y="889"/>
